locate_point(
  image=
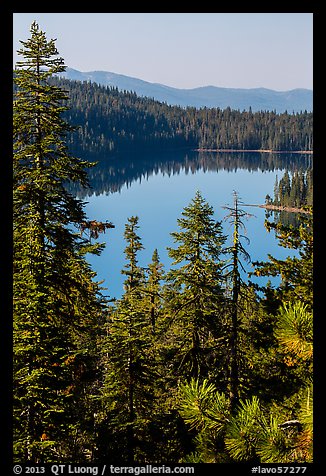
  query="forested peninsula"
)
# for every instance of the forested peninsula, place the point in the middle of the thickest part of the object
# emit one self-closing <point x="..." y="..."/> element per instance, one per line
<point x="112" y="122"/>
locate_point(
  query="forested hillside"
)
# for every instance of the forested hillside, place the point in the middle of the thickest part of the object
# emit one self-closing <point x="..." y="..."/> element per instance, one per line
<point x="112" y="121"/>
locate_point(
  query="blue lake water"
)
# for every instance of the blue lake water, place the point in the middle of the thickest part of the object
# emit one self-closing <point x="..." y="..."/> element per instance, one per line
<point x="156" y="189"/>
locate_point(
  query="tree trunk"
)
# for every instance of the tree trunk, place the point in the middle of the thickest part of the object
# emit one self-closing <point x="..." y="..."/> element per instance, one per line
<point x="234" y="372"/>
<point x="130" y="428"/>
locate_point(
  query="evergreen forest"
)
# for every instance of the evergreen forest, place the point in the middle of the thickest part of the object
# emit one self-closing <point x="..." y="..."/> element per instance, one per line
<point x="112" y="122"/>
<point x="192" y="364"/>
<point x="296" y="191"/>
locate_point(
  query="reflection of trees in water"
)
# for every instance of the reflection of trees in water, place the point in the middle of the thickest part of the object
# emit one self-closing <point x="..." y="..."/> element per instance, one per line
<point x="286" y="218"/>
<point x="110" y="175"/>
<point x="292" y="192"/>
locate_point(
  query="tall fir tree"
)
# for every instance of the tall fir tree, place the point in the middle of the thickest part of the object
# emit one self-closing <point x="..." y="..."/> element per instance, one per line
<point x="129" y="376"/>
<point x="57" y="305"/>
<point x="196" y="294"/>
<point x="153" y="289"/>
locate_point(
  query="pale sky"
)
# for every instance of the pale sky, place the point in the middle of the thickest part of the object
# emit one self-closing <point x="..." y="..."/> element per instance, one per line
<point x="184" y="50"/>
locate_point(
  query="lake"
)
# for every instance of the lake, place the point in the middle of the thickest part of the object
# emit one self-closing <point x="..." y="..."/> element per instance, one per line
<point x="157" y="187"/>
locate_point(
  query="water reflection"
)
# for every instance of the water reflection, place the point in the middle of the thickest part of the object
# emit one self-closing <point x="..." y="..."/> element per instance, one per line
<point x="158" y="187"/>
<point x="110" y="175"/>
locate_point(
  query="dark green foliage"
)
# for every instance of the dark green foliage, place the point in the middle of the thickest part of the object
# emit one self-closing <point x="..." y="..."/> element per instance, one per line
<point x="135" y="275"/>
<point x="252" y="433"/>
<point x="115" y="121"/>
<point x="195" y="292"/>
<point x="153" y="291"/>
<point x="295" y="191"/>
<point x="129" y="373"/>
<point x="56" y="303"/>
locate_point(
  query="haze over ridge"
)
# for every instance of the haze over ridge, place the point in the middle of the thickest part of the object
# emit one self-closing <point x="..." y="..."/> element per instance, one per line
<point x="295" y="100"/>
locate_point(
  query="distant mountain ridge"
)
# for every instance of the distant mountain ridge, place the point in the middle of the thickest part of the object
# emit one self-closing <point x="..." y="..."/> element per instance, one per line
<point x="259" y="99"/>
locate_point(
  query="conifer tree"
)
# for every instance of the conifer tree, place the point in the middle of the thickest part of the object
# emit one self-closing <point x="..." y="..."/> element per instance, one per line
<point x="135" y="274"/>
<point x="153" y="288"/>
<point x="129" y="375"/>
<point x="57" y="305"/>
<point x="252" y="432"/>
<point x="196" y="292"/>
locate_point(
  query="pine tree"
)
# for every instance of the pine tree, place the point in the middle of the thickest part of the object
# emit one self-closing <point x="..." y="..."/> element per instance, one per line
<point x="129" y="376"/>
<point x="153" y="288"/>
<point x="289" y="436"/>
<point x="135" y="274"/>
<point x="196" y="288"/>
<point x="250" y="433"/>
<point x="56" y="301"/>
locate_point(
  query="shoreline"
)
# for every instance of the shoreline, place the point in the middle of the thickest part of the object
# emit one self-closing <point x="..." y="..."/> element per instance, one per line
<point x="268" y="151"/>
<point x="269" y="206"/>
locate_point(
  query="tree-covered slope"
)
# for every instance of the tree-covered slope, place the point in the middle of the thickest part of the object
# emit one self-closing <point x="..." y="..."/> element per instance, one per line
<point x="111" y="121"/>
